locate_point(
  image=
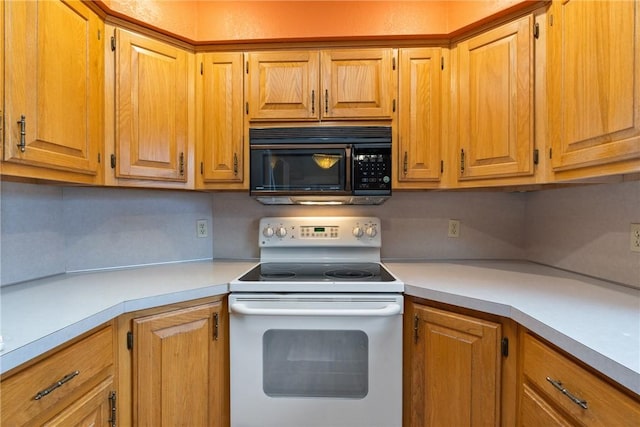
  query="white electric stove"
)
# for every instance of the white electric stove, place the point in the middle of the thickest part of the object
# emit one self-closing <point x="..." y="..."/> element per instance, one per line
<point x="316" y="328"/>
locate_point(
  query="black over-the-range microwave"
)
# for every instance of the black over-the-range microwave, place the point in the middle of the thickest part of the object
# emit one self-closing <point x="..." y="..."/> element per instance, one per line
<point x="320" y="165"/>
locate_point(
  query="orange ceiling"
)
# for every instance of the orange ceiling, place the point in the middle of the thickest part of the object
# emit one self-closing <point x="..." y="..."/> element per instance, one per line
<point x="240" y="20"/>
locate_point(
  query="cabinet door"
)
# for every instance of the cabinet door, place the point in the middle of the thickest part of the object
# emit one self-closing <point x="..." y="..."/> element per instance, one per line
<point x="358" y="83"/>
<point x="221" y="118"/>
<point x="454" y="369"/>
<point x="282" y="85"/>
<point x="419" y="114"/>
<point x="95" y="408"/>
<point x="594" y="82"/>
<point x="55" y="80"/>
<point x="495" y="98"/>
<point x="151" y="109"/>
<point x="535" y="411"/>
<point x="179" y="368"/>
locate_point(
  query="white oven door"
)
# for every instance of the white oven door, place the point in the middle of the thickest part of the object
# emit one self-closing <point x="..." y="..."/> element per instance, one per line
<point x="316" y="360"/>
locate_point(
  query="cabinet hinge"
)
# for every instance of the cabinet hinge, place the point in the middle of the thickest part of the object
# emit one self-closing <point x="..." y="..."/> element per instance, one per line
<point x="550" y="153"/>
<point x="394" y="106"/>
<point x="551" y="20"/>
<point x="99" y="158"/>
<point x="99" y="35"/>
<point x="393" y="63"/>
<point x="112" y="404"/>
<point x="441" y="166"/>
<point x="113" y="43"/>
<point x="113" y="161"/>
<point x="201" y="68"/>
<point x="129" y="340"/>
<point x="246" y="107"/>
<point x="536" y="30"/>
<point x="416" y="322"/>
<point x="504" y="347"/>
<point x="216" y="326"/>
<point x="536" y="156"/>
<point x="247" y="67"/>
<point x="442" y="62"/>
<point x="201" y="168"/>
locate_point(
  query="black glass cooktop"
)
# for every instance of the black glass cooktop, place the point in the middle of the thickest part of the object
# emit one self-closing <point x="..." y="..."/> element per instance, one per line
<point x="318" y="272"/>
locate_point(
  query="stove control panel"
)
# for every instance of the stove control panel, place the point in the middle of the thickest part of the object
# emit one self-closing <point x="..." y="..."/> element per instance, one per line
<point x="320" y="231"/>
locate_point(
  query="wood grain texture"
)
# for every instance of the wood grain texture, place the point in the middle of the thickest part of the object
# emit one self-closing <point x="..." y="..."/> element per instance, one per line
<point x="420" y="116"/>
<point x="56" y="80"/>
<point x="594" y="84"/>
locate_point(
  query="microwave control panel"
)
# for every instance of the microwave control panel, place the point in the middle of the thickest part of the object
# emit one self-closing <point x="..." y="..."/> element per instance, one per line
<point x="372" y="171"/>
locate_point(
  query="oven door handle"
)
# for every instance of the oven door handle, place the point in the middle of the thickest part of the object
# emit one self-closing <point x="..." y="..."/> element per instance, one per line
<point x="388" y="310"/>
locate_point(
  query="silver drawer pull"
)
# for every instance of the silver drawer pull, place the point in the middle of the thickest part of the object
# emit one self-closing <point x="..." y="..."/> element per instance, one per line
<point x="54" y="386"/>
<point x="574" y="399"/>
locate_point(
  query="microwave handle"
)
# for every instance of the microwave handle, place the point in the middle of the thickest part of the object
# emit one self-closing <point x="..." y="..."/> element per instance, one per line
<point x="348" y="164"/>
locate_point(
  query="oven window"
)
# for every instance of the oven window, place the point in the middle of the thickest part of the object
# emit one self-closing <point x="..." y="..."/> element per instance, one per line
<point x="299" y="169"/>
<point x="315" y="363"/>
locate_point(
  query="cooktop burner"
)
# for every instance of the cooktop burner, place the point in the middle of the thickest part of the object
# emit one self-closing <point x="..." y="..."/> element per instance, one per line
<point x="317" y="272"/>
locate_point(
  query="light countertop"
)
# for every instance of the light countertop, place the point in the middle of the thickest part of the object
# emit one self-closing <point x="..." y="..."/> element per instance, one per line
<point x="40" y="315"/>
<point x="597" y="322"/>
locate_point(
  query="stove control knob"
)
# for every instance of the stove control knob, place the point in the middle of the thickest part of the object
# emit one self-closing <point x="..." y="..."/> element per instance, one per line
<point x="268" y="231"/>
<point x="281" y="232"/>
<point x="372" y="231"/>
<point x="357" y="231"/>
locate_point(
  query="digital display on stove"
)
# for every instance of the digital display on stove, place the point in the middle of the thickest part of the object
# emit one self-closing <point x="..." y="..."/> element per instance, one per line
<point x="316" y="232"/>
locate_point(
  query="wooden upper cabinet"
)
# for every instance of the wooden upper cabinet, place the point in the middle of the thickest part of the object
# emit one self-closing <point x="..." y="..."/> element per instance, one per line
<point x="152" y="125"/>
<point x="283" y="85"/>
<point x="593" y="84"/>
<point x="495" y="102"/>
<point x="54" y="79"/>
<point x="179" y="369"/>
<point x="358" y="83"/>
<point x="419" y="115"/>
<point x="317" y="85"/>
<point x="452" y="369"/>
<point x="220" y="117"/>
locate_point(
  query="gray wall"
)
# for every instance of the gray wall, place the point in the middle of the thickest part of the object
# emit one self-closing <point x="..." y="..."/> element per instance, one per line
<point x="585" y="229"/>
<point x="48" y="230"/>
<point x="414" y="225"/>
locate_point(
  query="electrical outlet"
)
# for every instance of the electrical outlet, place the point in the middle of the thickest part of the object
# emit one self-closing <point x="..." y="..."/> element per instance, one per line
<point x="635" y="238"/>
<point x="202" y="229"/>
<point x="454" y="228"/>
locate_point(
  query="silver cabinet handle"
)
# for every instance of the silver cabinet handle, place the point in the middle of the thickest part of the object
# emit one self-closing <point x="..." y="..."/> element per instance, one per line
<point x="54" y="386"/>
<point x="405" y="163"/>
<point x="313" y="101"/>
<point x="23" y="133"/>
<point x="235" y="164"/>
<point x="557" y="384"/>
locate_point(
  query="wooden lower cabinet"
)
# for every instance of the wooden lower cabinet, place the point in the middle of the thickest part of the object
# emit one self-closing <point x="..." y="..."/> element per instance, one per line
<point x="176" y="367"/>
<point x="454" y="368"/>
<point x="69" y="386"/>
<point x="557" y="390"/>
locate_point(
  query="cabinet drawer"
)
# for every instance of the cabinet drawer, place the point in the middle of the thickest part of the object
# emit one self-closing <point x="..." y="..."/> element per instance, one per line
<point x="58" y="378"/>
<point x="605" y="404"/>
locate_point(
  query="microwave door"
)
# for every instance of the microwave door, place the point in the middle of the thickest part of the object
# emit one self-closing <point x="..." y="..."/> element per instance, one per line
<point x="302" y="169"/>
